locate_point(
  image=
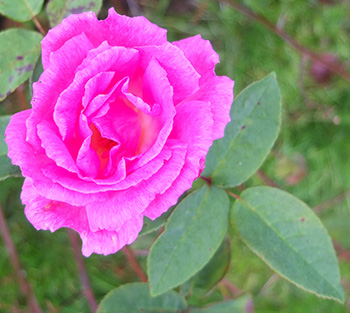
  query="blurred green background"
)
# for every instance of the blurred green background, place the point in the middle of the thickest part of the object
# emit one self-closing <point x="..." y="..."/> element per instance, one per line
<point x="311" y="158"/>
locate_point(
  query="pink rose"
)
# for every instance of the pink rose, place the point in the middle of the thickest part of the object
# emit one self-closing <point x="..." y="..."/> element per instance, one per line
<point x="120" y="126"/>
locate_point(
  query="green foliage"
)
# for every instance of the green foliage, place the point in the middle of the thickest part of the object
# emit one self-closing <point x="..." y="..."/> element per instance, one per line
<point x="190" y="239"/>
<point x="240" y="305"/>
<point x="214" y="271"/>
<point x="19" y="50"/>
<point x="249" y="137"/>
<point x="20" y="10"/>
<point x="57" y="10"/>
<point x="290" y="238"/>
<point x="6" y="168"/>
<point x="150" y="226"/>
<point x="135" y="298"/>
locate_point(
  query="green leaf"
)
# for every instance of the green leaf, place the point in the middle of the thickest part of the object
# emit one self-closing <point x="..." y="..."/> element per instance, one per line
<point x="4" y="121"/>
<point x="207" y="278"/>
<point x="19" y="50"/>
<point x="243" y="304"/>
<point x="249" y="137"/>
<point x="38" y="70"/>
<point x="290" y="238"/>
<point x="57" y="10"/>
<point x="20" y="10"/>
<point x="193" y="233"/>
<point x="6" y="168"/>
<point x="150" y="226"/>
<point x="135" y="298"/>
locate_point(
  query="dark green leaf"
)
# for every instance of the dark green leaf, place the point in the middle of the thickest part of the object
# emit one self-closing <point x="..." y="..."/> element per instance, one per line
<point x="150" y="226"/>
<point x="38" y="70"/>
<point x="214" y="271"/>
<point x="290" y="238"/>
<point x="249" y="137"/>
<point x="57" y="10"/>
<point x="19" y="50"/>
<point x="21" y="10"/>
<point x="135" y="298"/>
<point x="241" y="305"/>
<point x="192" y="235"/>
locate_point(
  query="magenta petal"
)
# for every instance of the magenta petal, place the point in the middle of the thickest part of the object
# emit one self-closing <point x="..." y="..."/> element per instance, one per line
<point x="200" y="53"/>
<point x="219" y="91"/>
<point x="68" y="104"/>
<point x="75" y="183"/>
<point x="51" y="215"/>
<point x="181" y="74"/>
<point x="54" y="146"/>
<point x="50" y="84"/>
<point x="123" y="206"/>
<point x="155" y="129"/>
<point x="117" y="29"/>
<point x="193" y="124"/>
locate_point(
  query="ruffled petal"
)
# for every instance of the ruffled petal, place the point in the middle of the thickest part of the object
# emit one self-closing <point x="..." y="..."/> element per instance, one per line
<point x="200" y="53"/>
<point x="182" y="76"/>
<point x="53" y="81"/>
<point x="69" y="104"/>
<point x="122" y="206"/>
<point x="193" y="125"/>
<point x="219" y="91"/>
<point x="117" y="29"/>
<point x="51" y="215"/>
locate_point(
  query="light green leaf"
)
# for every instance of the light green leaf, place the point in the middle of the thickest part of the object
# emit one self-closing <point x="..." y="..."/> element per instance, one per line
<point x="243" y="304"/>
<point x="193" y="233"/>
<point x="19" y="50"/>
<point x="6" y="167"/>
<point x="249" y="137"/>
<point x="207" y="278"/>
<point x="20" y="10"/>
<point x="135" y="298"/>
<point x="57" y="10"/>
<point x="290" y="238"/>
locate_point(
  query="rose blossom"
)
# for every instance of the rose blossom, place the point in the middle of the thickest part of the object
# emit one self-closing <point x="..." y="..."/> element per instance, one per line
<point x="120" y="125"/>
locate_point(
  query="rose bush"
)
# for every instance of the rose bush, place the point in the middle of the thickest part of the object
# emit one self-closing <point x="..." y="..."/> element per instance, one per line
<point x="120" y="125"/>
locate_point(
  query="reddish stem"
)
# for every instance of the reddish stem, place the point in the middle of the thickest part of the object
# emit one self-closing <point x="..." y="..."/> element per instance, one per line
<point x="87" y="290"/>
<point x="24" y="285"/>
<point x="333" y="67"/>
<point x="134" y="264"/>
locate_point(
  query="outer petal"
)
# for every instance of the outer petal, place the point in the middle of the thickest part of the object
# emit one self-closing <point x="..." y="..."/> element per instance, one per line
<point x="118" y="30"/>
<point x="200" y="53"/>
<point x="51" y="215"/>
<point x="193" y="126"/>
<point x="53" y="81"/>
<point x="32" y="165"/>
<point x="219" y="91"/>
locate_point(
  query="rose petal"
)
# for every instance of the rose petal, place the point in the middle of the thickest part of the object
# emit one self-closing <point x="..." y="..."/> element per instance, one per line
<point x="117" y="29"/>
<point x="123" y="61"/>
<point x="122" y="206"/>
<point x="53" y="81"/>
<point x="219" y="91"/>
<point x="192" y="125"/>
<point x="52" y="215"/>
<point x="182" y="76"/>
<point x="200" y="53"/>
